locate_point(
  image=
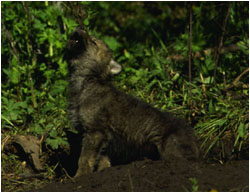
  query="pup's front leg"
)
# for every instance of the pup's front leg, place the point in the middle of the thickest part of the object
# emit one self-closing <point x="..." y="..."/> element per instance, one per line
<point x="90" y="157"/>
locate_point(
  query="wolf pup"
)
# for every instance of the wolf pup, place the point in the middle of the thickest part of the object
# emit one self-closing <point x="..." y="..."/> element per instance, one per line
<point x="103" y="114"/>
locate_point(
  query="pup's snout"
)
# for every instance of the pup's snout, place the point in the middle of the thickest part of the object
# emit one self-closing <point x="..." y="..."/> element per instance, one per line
<point x="115" y="67"/>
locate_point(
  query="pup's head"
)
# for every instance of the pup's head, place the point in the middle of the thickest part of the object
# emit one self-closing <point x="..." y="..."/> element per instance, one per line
<point x="89" y="56"/>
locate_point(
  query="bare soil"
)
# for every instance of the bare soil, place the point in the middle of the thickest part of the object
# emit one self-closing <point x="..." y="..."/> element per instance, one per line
<point x="171" y="175"/>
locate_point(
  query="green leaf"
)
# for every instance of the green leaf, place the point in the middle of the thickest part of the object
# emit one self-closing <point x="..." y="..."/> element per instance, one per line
<point x="207" y="80"/>
<point x="30" y="109"/>
<point x="86" y="22"/>
<point x="127" y="54"/>
<point x="112" y="43"/>
<point x="63" y="68"/>
<point x="53" y="133"/>
<point x="241" y="130"/>
<point x="176" y="76"/>
<point x="15" y="76"/>
<point x="37" y="129"/>
<point x="211" y="107"/>
<point x="53" y="143"/>
<point x="209" y="63"/>
<point x="243" y="46"/>
<point x="7" y="120"/>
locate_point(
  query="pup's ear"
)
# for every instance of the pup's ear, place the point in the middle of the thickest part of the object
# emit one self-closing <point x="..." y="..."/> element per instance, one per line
<point x="115" y="68"/>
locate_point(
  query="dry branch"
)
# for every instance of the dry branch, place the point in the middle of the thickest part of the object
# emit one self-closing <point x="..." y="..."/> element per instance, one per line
<point x="217" y="53"/>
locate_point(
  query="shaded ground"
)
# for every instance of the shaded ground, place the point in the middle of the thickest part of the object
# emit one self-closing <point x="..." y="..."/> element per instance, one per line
<point x="173" y="175"/>
<point x="145" y="175"/>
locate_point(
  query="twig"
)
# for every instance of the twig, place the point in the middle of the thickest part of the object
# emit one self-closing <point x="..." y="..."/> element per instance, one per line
<point x="130" y="181"/>
<point x="32" y="55"/>
<point x="40" y="142"/>
<point x="190" y="43"/>
<point x="4" y="141"/>
<point x="217" y="53"/>
<point x="66" y="173"/>
<point x="11" y="42"/>
<point x="29" y="176"/>
<point x="190" y="50"/>
<point x="236" y="80"/>
<point x="206" y="52"/>
<point x="239" y="77"/>
<point x="203" y="84"/>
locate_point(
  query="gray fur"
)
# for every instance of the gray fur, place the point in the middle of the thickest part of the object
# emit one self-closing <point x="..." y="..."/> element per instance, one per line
<point x="106" y="116"/>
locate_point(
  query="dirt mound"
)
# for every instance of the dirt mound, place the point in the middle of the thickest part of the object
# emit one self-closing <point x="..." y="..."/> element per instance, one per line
<point x="172" y="175"/>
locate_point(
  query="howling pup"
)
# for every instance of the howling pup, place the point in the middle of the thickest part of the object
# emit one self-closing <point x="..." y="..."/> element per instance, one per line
<point x="111" y="121"/>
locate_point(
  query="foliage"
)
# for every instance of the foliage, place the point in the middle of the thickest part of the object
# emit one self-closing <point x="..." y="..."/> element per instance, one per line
<point x="195" y="186"/>
<point x="33" y="70"/>
<point x="225" y="121"/>
<point x="149" y="39"/>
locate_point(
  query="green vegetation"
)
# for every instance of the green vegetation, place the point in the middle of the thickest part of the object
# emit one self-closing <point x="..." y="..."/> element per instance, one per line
<point x="150" y="41"/>
<point x="195" y="186"/>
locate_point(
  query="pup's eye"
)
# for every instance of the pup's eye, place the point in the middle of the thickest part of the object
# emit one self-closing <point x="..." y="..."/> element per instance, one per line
<point x="76" y="41"/>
